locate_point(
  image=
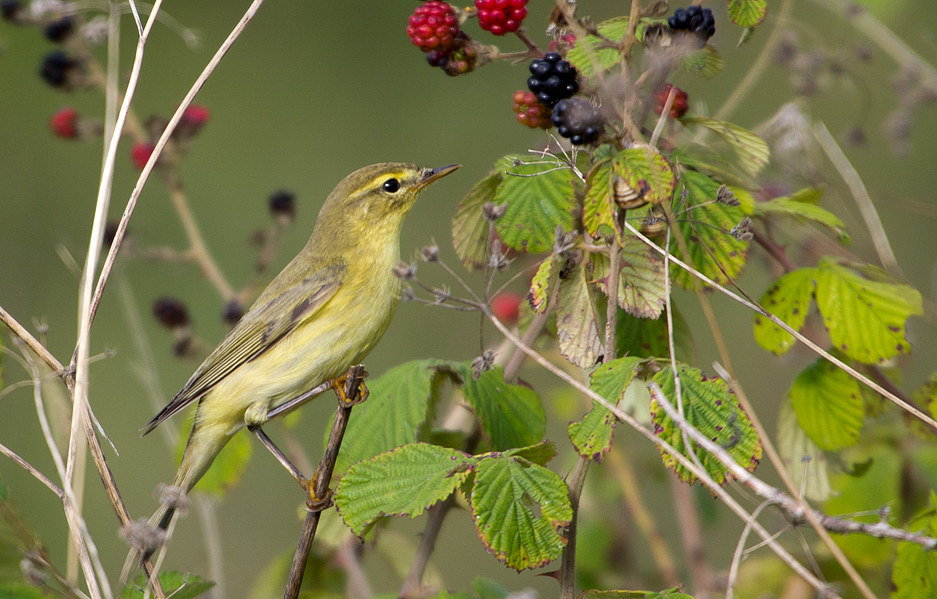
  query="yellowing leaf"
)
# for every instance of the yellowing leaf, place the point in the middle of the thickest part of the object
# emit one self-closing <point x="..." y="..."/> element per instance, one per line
<point x="789" y="300"/>
<point x="469" y="227"/>
<point x="641" y="284"/>
<point x="598" y="210"/>
<point x="706" y="62"/>
<point x="801" y="210"/>
<point x="915" y="571"/>
<point x="578" y="320"/>
<point x="865" y="317"/>
<point x="828" y="404"/>
<point x="541" y="286"/>
<point x="801" y="456"/>
<point x="751" y="150"/>
<point x="747" y="13"/>
<point x="646" y="171"/>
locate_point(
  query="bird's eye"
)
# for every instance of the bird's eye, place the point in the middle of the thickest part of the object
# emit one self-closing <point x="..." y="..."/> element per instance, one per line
<point x="391" y="185"/>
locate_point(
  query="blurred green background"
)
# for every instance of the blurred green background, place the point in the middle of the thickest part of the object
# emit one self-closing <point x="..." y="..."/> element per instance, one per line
<point x="310" y="92"/>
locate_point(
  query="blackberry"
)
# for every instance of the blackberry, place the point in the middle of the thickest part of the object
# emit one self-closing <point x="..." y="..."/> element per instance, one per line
<point x="13" y="11"/>
<point x="140" y="153"/>
<point x="552" y="79"/>
<point x="577" y="120"/>
<point x="59" y="30"/>
<point x="679" y="106"/>
<point x="64" y="123"/>
<point x="170" y="312"/>
<point x="433" y="26"/>
<point x="501" y="16"/>
<point x="233" y="312"/>
<point x="694" y="19"/>
<point x="283" y="204"/>
<point x="57" y="68"/>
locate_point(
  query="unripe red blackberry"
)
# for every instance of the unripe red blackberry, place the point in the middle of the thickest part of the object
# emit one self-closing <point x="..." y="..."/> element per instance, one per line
<point x="577" y="120"/>
<point x="501" y="16"/>
<point x="193" y="119"/>
<point x="565" y="42"/>
<point x="506" y="307"/>
<point x="64" y="123"/>
<point x="433" y="26"/>
<point x="680" y="105"/>
<point x="552" y="79"/>
<point x="170" y="312"/>
<point x="530" y="112"/>
<point x="140" y="153"/>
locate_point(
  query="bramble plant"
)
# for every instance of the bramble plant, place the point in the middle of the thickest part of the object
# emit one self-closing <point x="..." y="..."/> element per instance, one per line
<point x="635" y="189"/>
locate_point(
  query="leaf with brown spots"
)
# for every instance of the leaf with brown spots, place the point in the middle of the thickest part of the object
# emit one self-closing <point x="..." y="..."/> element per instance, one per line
<point x="789" y="300"/>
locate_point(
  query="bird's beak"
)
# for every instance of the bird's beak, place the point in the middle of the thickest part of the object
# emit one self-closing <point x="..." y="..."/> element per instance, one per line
<point x="432" y="174"/>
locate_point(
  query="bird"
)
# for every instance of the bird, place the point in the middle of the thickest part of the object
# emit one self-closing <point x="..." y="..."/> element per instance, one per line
<point x="323" y="313"/>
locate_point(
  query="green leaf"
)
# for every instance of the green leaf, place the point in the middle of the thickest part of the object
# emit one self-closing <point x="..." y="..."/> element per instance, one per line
<point x="396" y="413"/>
<point x="647" y="338"/>
<point x="520" y="511"/>
<point x="747" y="13"/>
<point x="228" y="467"/>
<point x="486" y="588"/>
<point x="865" y="318"/>
<point x="789" y="206"/>
<point x="541" y="286"/>
<point x="584" y="55"/>
<point x="706" y="62"/>
<point x="668" y="594"/>
<point x="801" y="456"/>
<point x="646" y="171"/>
<point x="598" y="209"/>
<point x="541" y="453"/>
<point x="915" y="571"/>
<point x="711" y="407"/>
<point x="751" y="150"/>
<point x="403" y="482"/>
<point x="577" y="320"/>
<point x="510" y="415"/>
<point x="469" y="227"/>
<point x="828" y="404"/>
<point x="705" y="226"/>
<point x="593" y="436"/>
<point x="540" y="196"/>
<point x="641" y="283"/>
<point x="789" y="300"/>
<point x="178" y="585"/>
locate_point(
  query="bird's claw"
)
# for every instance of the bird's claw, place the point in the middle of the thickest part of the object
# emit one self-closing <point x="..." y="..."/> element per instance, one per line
<point x="315" y="503"/>
<point x="361" y="395"/>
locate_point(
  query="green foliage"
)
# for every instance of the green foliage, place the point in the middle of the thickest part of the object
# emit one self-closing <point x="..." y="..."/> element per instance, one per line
<point x="706" y="62"/>
<point x="865" y="316"/>
<point x="668" y="594"/>
<point x="747" y="13"/>
<point x="801" y="456"/>
<point x="706" y="226"/>
<point x="508" y="494"/>
<point x="645" y="171"/>
<point x="509" y="415"/>
<point x="792" y="206"/>
<point x="647" y="338"/>
<point x="469" y="226"/>
<point x="578" y="322"/>
<point x="20" y="590"/>
<point x="641" y="284"/>
<point x="789" y="300"/>
<point x="751" y="151"/>
<point x="405" y="481"/>
<point x="828" y="404"/>
<point x="710" y="406"/>
<point x="915" y="572"/>
<point x="540" y="196"/>
<point x="593" y="435"/>
<point x="177" y="585"/>
<point x="396" y="413"/>
<point x="598" y="207"/>
<point x="588" y="54"/>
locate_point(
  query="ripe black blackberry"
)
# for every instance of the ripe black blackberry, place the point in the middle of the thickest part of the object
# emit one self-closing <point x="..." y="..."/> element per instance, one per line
<point x="577" y="120"/>
<point x="58" y="67"/>
<point x="552" y="79"/>
<point x="14" y="12"/>
<point x="59" y="30"/>
<point x="694" y="19"/>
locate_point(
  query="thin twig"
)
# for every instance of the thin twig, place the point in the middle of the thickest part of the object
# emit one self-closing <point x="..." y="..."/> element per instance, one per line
<point x="436" y="514"/>
<point x="691" y="536"/>
<point x="567" y="573"/>
<point x="740" y="549"/>
<point x="32" y="470"/>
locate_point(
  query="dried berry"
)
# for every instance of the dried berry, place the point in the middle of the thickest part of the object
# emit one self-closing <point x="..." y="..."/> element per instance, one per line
<point x="170" y="312"/>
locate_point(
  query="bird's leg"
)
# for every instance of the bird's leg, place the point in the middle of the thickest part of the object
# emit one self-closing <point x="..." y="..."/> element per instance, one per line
<point x="278" y="454"/>
<point x="350" y="387"/>
<point x="300" y="400"/>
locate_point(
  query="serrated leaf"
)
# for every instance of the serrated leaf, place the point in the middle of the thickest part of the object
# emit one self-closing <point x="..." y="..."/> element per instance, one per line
<point x="585" y="56"/>
<point x="747" y="13"/>
<point x="801" y="456"/>
<point x="469" y="227"/>
<point x="506" y="498"/>
<point x="641" y="283"/>
<point x="865" y="318"/>
<point x="706" y="227"/>
<point x="646" y="171"/>
<point x="924" y="396"/>
<point x="706" y="62"/>
<point x="593" y="435"/>
<point x="915" y="571"/>
<point x="788" y="299"/>
<point x="403" y="482"/>
<point x="828" y="404"/>
<point x="509" y="415"/>
<point x="801" y="210"/>
<point x="540" y="196"/>
<point x="647" y="338"/>
<point x="713" y="409"/>
<point x="598" y="210"/>
<point x="177" y="585"/>
<point x="227" y="468"/>
<point x="577" y="320"/>
<point x="395" y="414"/>
<point x="751" y="150"/>
<point x="543" y="282"/>
<point x="541" y="453"/>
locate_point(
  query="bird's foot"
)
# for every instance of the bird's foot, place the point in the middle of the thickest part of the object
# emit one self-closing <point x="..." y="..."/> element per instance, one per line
<point x="341" y="387"/>
<point x="314" y="503"/>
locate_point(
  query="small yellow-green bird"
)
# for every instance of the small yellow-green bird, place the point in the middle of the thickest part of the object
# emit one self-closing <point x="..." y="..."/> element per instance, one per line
<point x="323" y="313"/>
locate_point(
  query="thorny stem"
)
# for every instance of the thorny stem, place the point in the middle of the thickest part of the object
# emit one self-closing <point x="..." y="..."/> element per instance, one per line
<point x="567" y="574"/>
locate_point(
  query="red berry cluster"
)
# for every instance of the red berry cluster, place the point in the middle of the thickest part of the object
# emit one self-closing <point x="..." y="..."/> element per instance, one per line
<point x="679" y="106"/>
<point x="501" y="16"/>
<point x="530" y="111"/>
<point x="140" y="153"/>
<point x="433" y="26"/>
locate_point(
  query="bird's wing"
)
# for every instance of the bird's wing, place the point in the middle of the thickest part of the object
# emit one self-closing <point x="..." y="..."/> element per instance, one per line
<point x="255" y="333"/>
